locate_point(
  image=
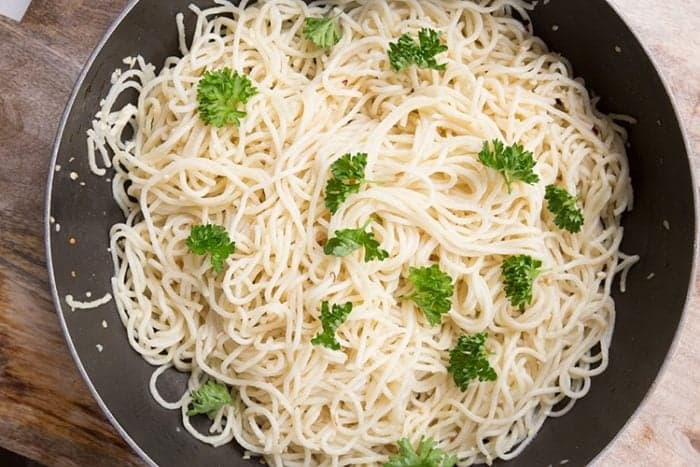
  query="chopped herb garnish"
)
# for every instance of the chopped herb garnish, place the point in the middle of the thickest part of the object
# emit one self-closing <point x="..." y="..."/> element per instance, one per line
<point x="348" y="240"/>
<point x="209" y="398"/>
<point x="427" y="455"/>
<point x="220" y="93"/>
<point x="324" y="32"/>
<point x="513" y="162"/>
<point x="519" y="273"/>
<point x="469" y="361"/>
<point x="406" y="52"/>
<point x="331" y="319"/>
<point x="432" y="292"/>
<point x="348" y="176"/>
<point x="212" y="239"/>
<point x="563" y="205"/>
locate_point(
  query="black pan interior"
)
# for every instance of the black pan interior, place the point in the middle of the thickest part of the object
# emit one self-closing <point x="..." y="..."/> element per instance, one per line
<point x="602" y="50"/>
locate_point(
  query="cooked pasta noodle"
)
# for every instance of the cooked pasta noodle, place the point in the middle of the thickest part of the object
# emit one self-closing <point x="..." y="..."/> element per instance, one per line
<point x="251" y="325"/>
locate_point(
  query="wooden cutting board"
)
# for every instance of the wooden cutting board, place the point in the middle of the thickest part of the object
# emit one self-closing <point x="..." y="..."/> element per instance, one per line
<point x="46" y="412"/>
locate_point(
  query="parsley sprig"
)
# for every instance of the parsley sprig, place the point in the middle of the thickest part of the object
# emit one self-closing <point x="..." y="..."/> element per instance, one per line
<point x="324" y="32"/>
<point x="519" y="273"/>
<point x="348" y="240"/>
<point x="513" y="162"/>
<point x="406" y="52"/>
<point x="348" y="176"/>
<point x="212" y="239"/>
<point x="563" y="205"/>
<point x="209" y="398"/>
<point x="469" y="361"/>
<point x="427" y="455"/>
<point x="220" y="93"/>
<point x="432" y="292"/>
<point x="331" y="319"/>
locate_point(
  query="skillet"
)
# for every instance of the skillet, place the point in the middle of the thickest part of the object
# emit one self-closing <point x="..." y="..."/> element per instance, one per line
<point x="601" y="48"/>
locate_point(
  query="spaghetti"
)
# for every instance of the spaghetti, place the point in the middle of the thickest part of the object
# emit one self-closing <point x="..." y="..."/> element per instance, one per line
<point x="250" y="326"/>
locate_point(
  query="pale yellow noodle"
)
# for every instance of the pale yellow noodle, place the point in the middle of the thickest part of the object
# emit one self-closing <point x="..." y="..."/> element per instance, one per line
<point x="251" y="326"/>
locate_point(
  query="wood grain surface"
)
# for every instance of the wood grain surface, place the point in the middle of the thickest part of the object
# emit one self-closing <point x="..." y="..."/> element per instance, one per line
<point x="46" y="411"/>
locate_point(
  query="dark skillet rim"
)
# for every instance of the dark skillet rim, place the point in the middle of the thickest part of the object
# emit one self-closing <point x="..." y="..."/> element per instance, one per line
<point x="47" y="235"/>
<point x="103" y="406"/>
<point x="673" y="348"/>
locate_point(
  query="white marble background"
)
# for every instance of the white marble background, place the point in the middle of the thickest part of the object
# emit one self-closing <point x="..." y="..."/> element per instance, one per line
<point x="14" y="9"/>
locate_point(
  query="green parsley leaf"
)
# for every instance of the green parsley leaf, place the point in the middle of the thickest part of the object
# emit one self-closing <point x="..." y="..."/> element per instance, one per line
<point x="433" y="291"/>
<point x="406" y="52"/>
<point x="563" y="205"/>
<point x="324" y="32"/>
<point x="209" y="398"/>
<point x="519" y="273"/>
<point x="513" y="162"/>
<point x="469" y="361"/>
<point x="348" y="240"/>
<point x="427" y="455"/>
<point x="331" y="319"/>
<point x="212" y="239"/>
<point x="348" y="176"/>
<point x="219" y="93"/>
